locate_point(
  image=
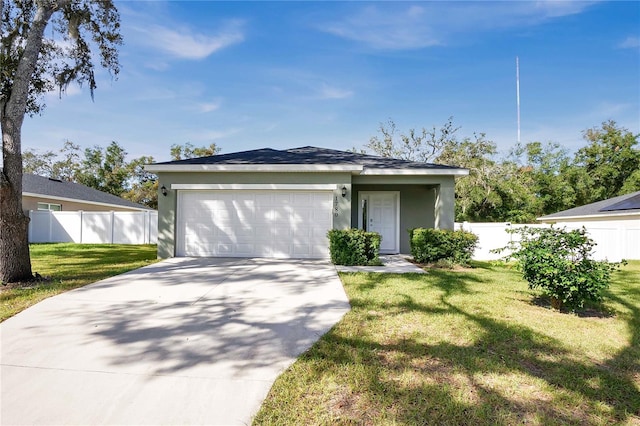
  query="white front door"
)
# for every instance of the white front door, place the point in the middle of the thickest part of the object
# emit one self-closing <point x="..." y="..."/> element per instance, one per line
<point x="379" y="213"/>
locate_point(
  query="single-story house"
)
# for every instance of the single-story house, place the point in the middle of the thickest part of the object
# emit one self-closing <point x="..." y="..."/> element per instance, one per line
<point x="281" y="203"/>
<point x="614" y="224"/>
<point x="42" y="193"/>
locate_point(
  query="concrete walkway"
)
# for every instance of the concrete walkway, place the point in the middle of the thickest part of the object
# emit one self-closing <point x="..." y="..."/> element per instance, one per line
<point x="392" y="264"/>
<point x="183" y="341"/>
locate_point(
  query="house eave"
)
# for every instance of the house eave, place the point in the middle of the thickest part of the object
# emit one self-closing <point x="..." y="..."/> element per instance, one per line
<point x="253" y="186"/>
<point x="273" y="168"/>
<point x="409" y="172"/>
<point x="588" y="216"/>
<point x="301" y="168"/>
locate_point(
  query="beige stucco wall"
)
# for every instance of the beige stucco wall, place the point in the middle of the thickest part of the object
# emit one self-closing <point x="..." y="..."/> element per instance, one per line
<point x="31" y="203"/>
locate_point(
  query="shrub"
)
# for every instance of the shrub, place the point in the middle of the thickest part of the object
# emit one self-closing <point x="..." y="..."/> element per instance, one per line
<point x="432" y="245"/>
<point x="354" y="247"/>
<point x="559" y="263"/>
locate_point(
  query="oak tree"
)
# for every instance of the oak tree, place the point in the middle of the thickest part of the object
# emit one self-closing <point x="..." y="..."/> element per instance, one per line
<point x="33" y="62"/>
<point x="49" y="164"/>
<point x="188" y="150"/>
<point x="415" y="145"/>
<point x="609" y="159"/>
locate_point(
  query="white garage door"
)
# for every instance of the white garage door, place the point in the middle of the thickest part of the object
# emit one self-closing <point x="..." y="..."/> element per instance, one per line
<point x="283" y="224"/>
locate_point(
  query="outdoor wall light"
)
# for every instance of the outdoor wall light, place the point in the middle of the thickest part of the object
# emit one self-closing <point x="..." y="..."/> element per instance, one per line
<point x="164" y="190"/>
<point x="344" y="191"/>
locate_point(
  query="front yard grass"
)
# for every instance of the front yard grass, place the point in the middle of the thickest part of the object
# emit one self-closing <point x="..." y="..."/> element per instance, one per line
<point x="71" y="266"/>
<point x="472" y="347"/>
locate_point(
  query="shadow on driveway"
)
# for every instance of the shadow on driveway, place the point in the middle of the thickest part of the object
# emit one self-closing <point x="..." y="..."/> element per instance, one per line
<point x="188" y="341"/>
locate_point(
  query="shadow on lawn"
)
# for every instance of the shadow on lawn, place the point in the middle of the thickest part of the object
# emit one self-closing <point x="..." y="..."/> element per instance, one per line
<point x="449" y="282"/>
<point x="503" y="349"/>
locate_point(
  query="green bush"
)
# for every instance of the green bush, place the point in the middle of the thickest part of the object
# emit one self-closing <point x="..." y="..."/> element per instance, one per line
<point x="559" y="263"/>
<point x="432" y="245"/>
<point x="354" y="247"/>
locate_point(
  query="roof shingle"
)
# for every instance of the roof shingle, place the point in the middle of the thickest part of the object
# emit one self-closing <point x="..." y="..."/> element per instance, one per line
<point x="623" y="204"/>
<point x="308" y="155"/>
<point x="43" y="186"/>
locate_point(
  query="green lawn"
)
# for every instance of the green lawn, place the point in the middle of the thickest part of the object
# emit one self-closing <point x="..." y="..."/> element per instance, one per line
<point x="472" y="347"/>
<point x="71" y="266"/>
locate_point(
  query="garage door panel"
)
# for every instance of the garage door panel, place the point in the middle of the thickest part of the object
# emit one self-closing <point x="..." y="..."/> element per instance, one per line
<point x="245" y="215"/>
<point x="244" y="235"/>
<point x="281" y="231"/>
<point x="222" y="249"/>
<point x="303" y="198"/>
<point x="280" y="216"/>
<point x="224" y="238"/>
<point x="280" y="251"/>
<point x="301" y="236"/>
<point x="245" y="249"/>
<point x="281" y="197"/>
<point x="302" y="250"/>
<point x="254" y="223"/>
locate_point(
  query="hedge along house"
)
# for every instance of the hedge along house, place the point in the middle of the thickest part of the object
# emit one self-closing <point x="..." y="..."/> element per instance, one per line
<point x="281" y="203"/>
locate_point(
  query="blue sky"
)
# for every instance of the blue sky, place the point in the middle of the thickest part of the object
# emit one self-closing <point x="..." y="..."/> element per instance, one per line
<point x="249" y="75"/>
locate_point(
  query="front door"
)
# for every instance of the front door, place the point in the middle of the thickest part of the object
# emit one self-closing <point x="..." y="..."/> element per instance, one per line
<point x="379" y="213"/>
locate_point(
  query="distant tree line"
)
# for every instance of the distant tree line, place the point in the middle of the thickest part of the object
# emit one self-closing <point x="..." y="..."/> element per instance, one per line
<point x="532" y="179"/>
<point x="107" y="169"/>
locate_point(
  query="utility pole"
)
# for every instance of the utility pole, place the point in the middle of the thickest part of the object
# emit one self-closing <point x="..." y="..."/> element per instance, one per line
<point x="518" y="94"/>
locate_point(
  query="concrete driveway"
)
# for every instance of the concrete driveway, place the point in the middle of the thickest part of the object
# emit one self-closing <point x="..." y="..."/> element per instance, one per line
<point x="183" y="341"/>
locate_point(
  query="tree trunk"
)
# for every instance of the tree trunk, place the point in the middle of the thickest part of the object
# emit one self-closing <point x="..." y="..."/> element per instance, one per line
<point x="15" y="262"/>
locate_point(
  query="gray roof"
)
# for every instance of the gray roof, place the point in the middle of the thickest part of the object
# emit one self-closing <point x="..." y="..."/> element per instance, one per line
<point x="623" y="204"/>
<point x="309" y="155"/>
<point x="47" y="187"/>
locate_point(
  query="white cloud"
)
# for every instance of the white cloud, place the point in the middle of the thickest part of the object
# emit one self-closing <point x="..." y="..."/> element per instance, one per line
<point x="271" y="127"/>
<point x="307" y="85"/>
<point x="606" y="110"/>
<point x="329" y="92"/>
<point x="154" y="94"/>
<point x="557" y="9"/>
<point x="187" y="44"/>
<point x="390" y="26"/>
<point x="384" y="30"/>
<point x="157" y="65"/>
<point x="205" y="107"/>
<point x="207" y="135"/>
<point x="630" y="42"/>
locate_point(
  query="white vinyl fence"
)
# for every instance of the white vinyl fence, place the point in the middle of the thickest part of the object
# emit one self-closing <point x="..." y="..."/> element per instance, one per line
<point x="93" y="227"/>
<point x="616" y="240"/>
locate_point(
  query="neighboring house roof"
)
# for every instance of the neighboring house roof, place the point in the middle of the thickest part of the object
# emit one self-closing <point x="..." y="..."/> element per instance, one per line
<point x="39" y="186"/>
<point x="617" y="206"/>
<point x="306" y="158"/>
